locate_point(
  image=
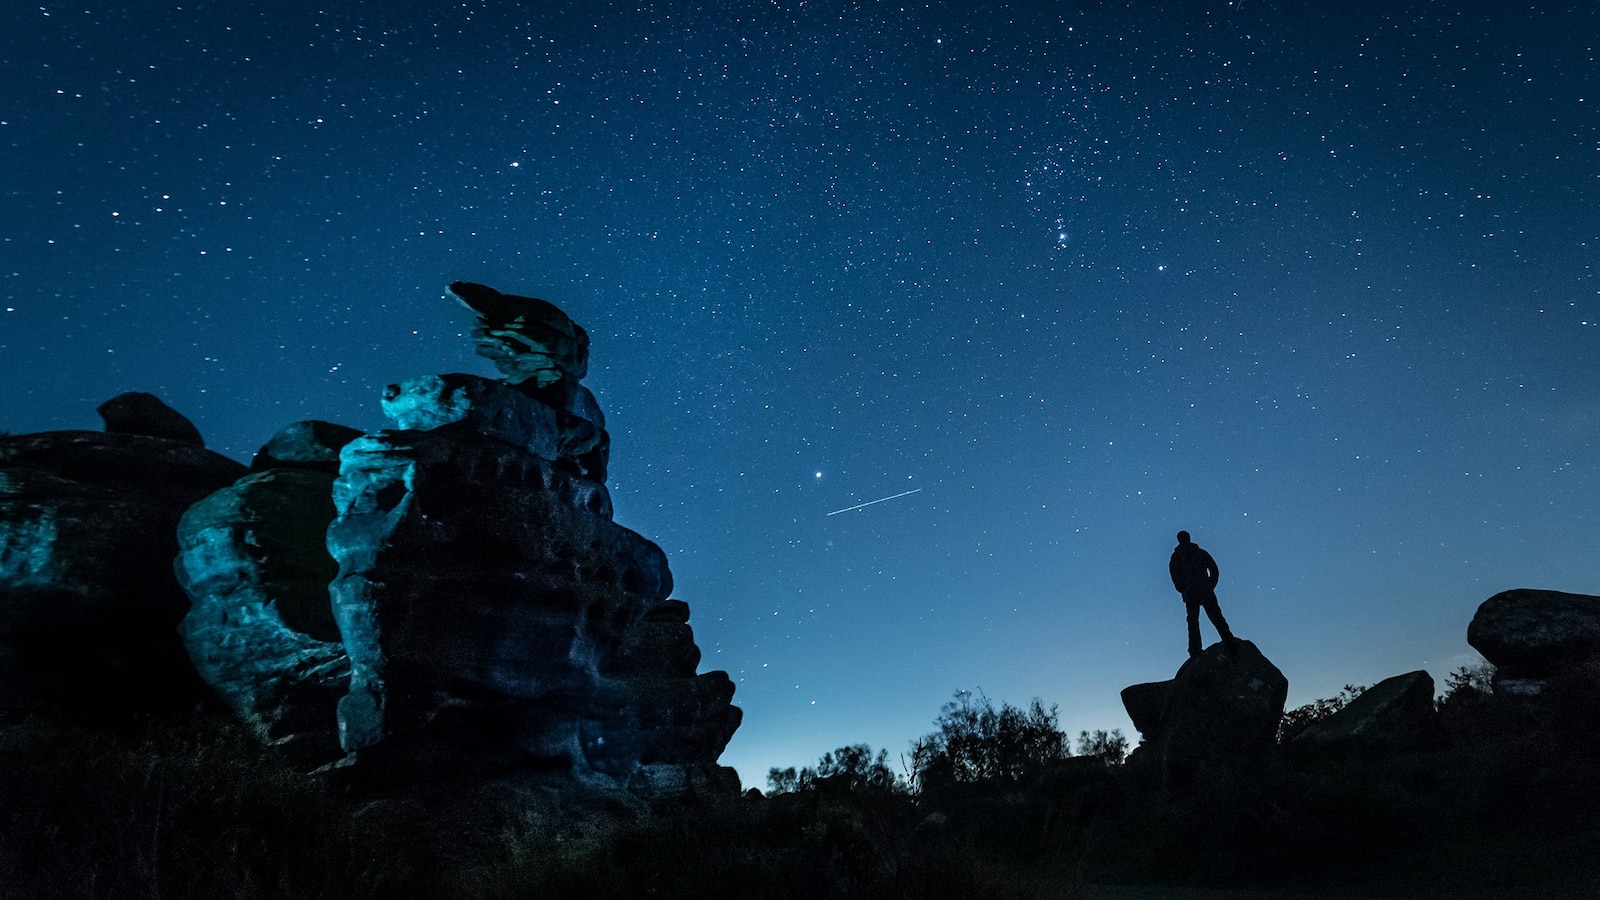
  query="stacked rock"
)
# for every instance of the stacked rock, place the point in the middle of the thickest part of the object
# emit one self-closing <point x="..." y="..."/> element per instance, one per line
<point x="543" y="353"/>
<point x="1533" y="637"/>
<point x="487" y="616"/>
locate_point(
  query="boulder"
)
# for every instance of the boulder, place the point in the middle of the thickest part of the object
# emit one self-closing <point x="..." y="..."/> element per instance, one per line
<point x="530" y="341"/>
<point x="253" y="559"/>
<point x="139" y="413"/>
<point x="305" y="445"/>
<point x="1221" y="711"/>
<point x="1531" y="635"/>
<point x="499" y="411"/>
<point x="1146" y="703"/>
<point x="88" y="600"/>
<point x="1394" y="712"/>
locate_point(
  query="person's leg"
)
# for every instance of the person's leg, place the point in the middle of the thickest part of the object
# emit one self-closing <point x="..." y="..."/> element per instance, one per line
<point x="1193" y="611"/>
<point x="1214" y="613"/>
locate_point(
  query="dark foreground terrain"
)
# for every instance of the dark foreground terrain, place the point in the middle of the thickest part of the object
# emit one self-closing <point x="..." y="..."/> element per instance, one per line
<point x="1499" y="801"/>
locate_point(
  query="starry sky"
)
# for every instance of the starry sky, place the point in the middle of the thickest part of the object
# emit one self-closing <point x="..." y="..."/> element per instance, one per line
<point x="1314" y="281"/>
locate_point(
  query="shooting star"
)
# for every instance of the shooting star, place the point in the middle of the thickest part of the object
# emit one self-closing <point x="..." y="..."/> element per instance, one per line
<point x="870" y="502"/>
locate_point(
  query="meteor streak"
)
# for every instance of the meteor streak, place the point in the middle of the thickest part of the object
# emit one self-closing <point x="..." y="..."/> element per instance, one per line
<point x="870" y="502"/>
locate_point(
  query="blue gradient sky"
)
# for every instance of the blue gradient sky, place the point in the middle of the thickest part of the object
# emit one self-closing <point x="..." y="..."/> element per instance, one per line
<point x="1314" y="281"/>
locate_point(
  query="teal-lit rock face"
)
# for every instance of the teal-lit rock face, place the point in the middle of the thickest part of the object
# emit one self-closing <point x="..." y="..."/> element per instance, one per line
<point x="568" y="435"/>
<point x="88" y="601"/>
<point x="494" y="615"/>
<point x="304" y="445"/>
<point x="260" y="630"/>
<point x="449" y="599"/>
<point x="530" y="341"/>
<point x="469" y="567"/>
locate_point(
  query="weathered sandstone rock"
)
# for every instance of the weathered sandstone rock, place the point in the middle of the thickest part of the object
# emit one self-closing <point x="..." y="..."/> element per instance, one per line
<point x="253" y="559"/>
<point x="569" y="437"/>
<point x="88" y="601"/>
<point x="1394" y="712"/>
<point x="139" y="413"/>
<point x="528" y="339"/>
<point x="305" y="445"/>
<point x="496" y="620"/>
<point x="1221" y="710"/>
<point x="1532" y="634"/>
<point x="473" y="573"/>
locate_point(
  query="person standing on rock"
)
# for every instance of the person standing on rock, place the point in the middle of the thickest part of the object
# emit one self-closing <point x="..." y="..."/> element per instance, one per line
<point x="1194" y="574"/>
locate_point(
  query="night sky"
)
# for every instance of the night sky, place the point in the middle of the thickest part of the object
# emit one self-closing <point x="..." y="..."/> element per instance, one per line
<point x="1314" y="281"/>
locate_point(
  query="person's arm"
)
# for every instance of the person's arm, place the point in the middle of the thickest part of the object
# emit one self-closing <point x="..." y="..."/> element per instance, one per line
<point x="1211" y="569"/>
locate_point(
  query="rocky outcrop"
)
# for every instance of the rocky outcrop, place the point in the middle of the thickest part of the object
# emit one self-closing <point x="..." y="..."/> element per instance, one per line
<point x="1395" y="712"/>
<point x="1221" y="711"/>
<point x="1531" y="636"/>
<point x="88" y="601"/>
<point x="447" y="602"/>
<point x="139" y="413"/>
<point x="457" y="603"/>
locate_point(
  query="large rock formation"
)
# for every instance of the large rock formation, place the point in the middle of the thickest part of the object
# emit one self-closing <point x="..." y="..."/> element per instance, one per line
<point x="88" y="602"/>
<point x="1531" y="636"/>
<point x="1395" y="712"/>
<point x="1221" y="711"/>
<point x="475" y="612"/>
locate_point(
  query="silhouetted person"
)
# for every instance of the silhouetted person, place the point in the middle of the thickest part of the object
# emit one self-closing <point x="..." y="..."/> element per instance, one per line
<point x="1194" y="574"/>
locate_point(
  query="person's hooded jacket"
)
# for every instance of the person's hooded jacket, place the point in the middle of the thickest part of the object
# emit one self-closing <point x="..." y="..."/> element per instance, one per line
<point x="1194" y="572"/>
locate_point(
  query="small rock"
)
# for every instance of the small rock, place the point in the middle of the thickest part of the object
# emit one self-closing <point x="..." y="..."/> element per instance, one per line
<point x="528" y="339"/>
<point x="305" y="445"/>
<point x="139" y="413"/>
<point x="1146" y="703"/>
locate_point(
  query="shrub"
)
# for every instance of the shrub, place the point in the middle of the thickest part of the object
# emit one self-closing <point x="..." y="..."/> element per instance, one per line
<point x="976" y="742"/>
<point x="1110" y="748"/>
<point x="1297" y="720"/>
<point x="850" y="768"/>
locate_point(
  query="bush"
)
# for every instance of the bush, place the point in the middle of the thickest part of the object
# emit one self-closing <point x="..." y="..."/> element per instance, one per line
<point x="849" y="768"/>
<point x="976" y="743"/>
<point x="1111" y="748"/>
<point x="1297" y="720"/>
